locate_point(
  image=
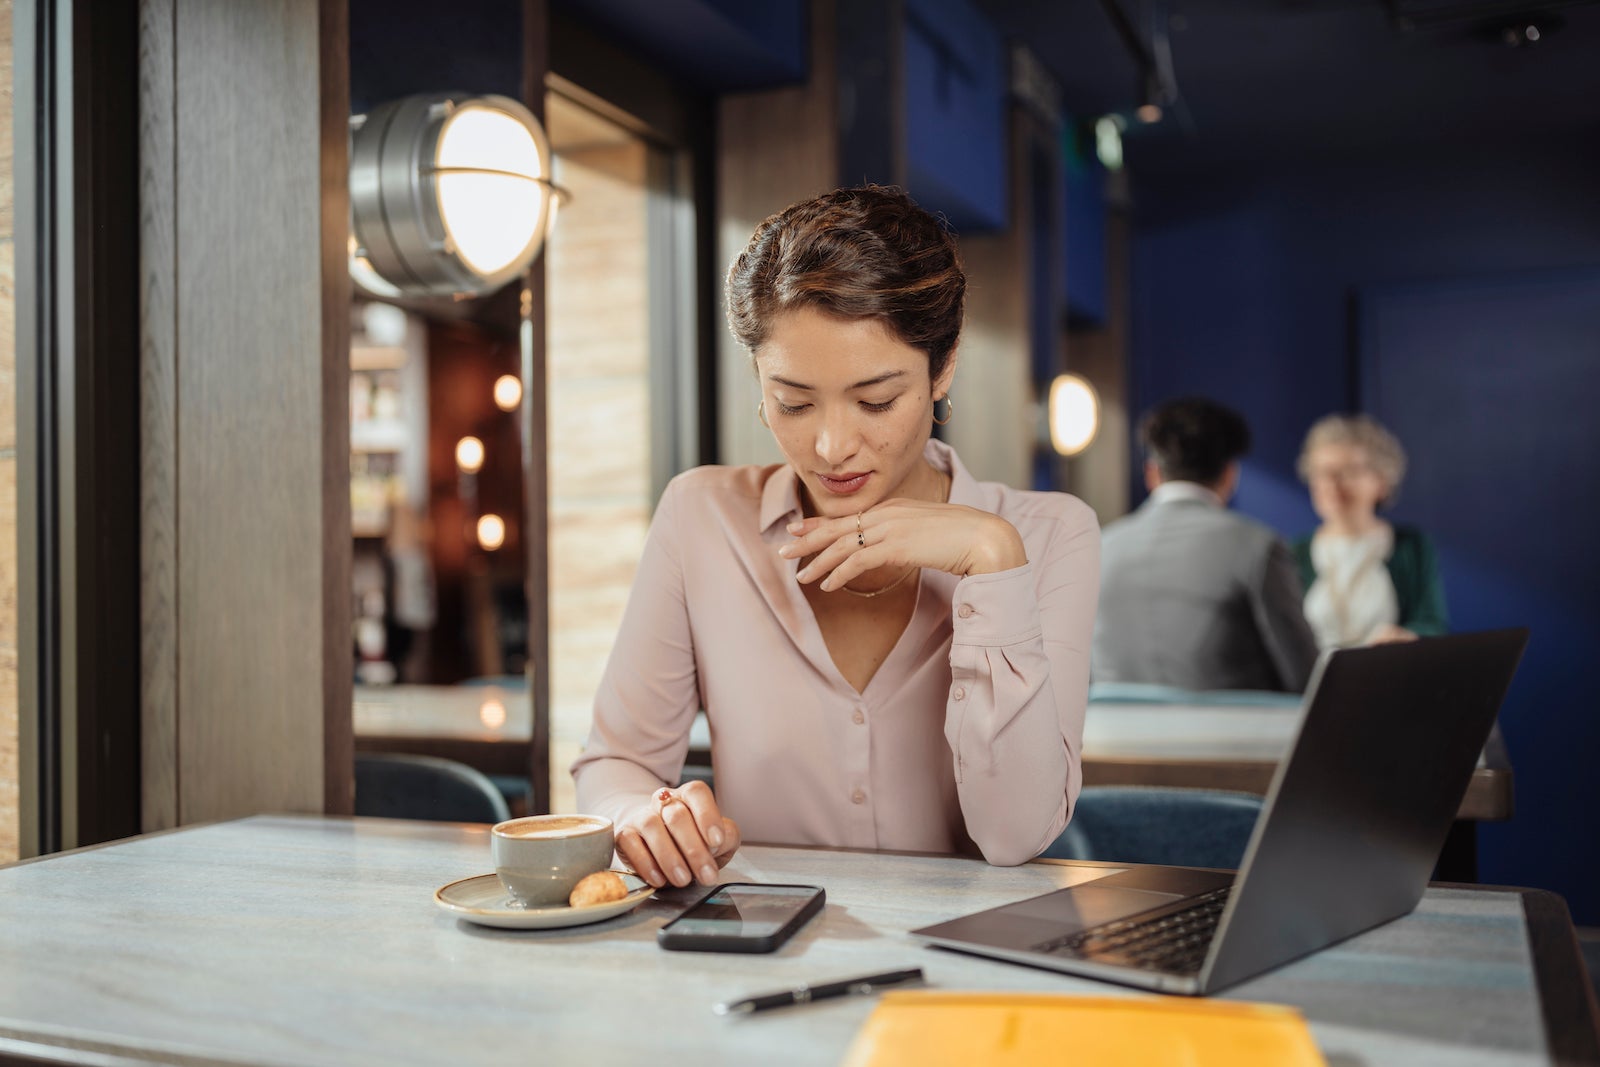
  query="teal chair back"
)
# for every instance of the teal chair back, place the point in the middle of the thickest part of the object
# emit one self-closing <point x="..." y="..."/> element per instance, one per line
<point x="1147" y="824"/>
<point x="396" y="786"/>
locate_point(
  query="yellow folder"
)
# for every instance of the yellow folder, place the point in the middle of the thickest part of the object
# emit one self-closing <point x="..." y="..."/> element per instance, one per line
<point x="919" y="1029"/>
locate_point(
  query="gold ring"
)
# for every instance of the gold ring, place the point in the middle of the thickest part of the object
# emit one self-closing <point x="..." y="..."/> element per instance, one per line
<point x="861" y="538"/>
<point x="665" y="796"/>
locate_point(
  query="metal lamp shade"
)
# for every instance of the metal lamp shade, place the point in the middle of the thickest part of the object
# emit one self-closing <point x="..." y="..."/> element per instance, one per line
<point x="450" y="194"/>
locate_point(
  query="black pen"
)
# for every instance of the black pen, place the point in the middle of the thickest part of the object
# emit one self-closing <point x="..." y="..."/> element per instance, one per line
<point x="844" y="987"/>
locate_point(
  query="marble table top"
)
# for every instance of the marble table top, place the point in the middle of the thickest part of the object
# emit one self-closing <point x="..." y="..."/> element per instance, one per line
<point x="311" y="940"/>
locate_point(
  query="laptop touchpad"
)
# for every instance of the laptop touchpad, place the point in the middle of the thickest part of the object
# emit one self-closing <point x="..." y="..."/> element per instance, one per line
<point x="1088" y="905"/>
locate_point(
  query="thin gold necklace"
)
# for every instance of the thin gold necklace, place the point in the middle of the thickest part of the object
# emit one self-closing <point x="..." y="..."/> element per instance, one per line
<point x="944" y="498"/>
<point x="879" y="592"/>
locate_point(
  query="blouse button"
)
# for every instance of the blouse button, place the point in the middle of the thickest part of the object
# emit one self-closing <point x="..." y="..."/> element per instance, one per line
<point x="858" y="797"/>
<point x="858" y="718"/>
<point x="960" y="692"/>
<point x="965" y="611"/>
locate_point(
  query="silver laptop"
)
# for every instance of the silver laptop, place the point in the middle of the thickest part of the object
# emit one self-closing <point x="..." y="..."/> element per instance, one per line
<point x="1352" y="825"/>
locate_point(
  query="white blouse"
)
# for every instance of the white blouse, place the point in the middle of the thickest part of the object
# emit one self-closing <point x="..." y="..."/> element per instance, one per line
<point x="1353" y="596"/>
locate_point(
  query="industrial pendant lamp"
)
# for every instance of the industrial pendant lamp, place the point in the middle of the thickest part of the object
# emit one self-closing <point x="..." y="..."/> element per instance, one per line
<point x="450" y="194"/>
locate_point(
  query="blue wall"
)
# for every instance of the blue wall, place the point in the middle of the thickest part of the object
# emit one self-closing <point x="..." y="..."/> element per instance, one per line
<point x="715" y="45"/>
<point x="400" y="47"/>
<point x="954" y="66"/>
<point x="1244" y="289"/>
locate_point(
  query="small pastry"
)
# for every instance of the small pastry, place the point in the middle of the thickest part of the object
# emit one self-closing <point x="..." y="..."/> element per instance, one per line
<point x="598" y="888"/>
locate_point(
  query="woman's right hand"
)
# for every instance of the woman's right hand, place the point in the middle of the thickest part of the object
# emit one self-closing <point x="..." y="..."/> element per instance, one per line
<point x="678" y="836"/>
<point x="1390" y="634"/>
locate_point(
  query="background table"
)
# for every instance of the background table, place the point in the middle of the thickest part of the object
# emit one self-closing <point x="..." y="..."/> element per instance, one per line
<point x="281" y="940"/>
<point x="1235" y="746"/>
<point x="484" y="726"/>
<point x="1211" y="745"/>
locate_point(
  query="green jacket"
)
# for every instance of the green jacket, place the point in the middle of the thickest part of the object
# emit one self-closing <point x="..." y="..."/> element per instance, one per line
<point x="1414" y="570"/>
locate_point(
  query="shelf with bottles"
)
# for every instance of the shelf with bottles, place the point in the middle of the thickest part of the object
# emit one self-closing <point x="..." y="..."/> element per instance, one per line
<point x="375" y="486"/>
<point x="376" y="419"/>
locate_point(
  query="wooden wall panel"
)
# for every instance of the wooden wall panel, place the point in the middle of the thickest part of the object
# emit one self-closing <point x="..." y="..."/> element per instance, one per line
<point x="238" y="476"/>
<point x="337" y="705"/>
<point x="158" y="425"/>
<point x="1100" y="473"/>
<point x="9" y="705"/>
<point x="774" y="147"/>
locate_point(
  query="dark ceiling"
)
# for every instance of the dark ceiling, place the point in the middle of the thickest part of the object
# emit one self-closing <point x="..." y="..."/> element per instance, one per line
<point x="1307" y="79"/>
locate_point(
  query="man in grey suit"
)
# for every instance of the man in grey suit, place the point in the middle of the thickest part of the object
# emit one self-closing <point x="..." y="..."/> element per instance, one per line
<point x="1191" y="594"/>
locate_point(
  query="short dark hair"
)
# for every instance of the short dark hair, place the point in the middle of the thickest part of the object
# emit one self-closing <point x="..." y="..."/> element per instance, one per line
<point x="1193" y="439"/>
<point x="859" y="253"/>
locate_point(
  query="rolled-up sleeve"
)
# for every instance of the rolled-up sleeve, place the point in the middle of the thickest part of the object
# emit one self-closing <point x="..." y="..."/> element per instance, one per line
<point x="649" y="692"/>
<point x="1019" y="665"/>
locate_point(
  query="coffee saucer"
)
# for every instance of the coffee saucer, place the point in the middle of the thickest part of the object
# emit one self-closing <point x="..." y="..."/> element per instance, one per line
<point x="483" y="900"/>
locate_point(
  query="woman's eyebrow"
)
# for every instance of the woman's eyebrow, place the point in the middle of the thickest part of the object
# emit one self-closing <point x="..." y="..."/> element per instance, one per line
<point x="879" y="380"/>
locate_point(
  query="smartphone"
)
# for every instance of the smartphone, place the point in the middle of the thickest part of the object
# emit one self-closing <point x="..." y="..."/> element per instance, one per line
<point x="742" y="917"/>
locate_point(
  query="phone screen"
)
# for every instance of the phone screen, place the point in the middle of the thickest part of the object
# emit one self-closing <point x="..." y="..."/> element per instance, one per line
<point x="745" y="910"/>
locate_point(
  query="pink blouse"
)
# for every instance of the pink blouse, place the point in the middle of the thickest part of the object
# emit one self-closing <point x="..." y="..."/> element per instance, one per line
<point x="969" y="734"/>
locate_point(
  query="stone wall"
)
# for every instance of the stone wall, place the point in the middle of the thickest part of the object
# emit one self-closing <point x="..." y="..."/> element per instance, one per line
<point x="599" y="447"/>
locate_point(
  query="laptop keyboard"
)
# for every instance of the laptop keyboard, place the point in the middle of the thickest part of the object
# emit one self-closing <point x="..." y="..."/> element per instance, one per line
<point x="1171" y="941"/>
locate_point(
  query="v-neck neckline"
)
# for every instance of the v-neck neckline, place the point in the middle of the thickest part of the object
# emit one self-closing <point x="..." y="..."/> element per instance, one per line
<point x="933" y="588"/>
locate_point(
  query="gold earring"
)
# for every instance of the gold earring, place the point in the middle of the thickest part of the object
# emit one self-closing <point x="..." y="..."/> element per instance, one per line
<point x="949" y="410"/>
<point x="761" y="413"/>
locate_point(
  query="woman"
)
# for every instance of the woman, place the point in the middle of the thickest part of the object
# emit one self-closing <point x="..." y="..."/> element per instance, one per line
<point x="1367" y="581"/>
<point x="890" y="653"/>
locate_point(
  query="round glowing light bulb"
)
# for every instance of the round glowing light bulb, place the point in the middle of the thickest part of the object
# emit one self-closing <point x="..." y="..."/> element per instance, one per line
<point x="1074" y="414"/>
<point x="469" y="455"/>
<point x="507" y="392"/>
<point x="490" y="200"/>
<point x="492" y="714"/>
<point x="491" y="532"/>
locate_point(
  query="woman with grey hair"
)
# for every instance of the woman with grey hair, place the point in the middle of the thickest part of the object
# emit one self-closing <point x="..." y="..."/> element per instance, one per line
<point x="1367" y="581"/>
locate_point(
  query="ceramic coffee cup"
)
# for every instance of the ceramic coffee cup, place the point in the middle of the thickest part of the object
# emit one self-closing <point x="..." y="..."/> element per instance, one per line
<point x="541" y="857"/>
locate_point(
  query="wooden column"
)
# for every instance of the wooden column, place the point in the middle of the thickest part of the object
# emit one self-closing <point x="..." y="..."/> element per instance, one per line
<point x="535" y="433"/>
<point x="244" y="368"/>
<point x="774" y="147"/>
<point x="333" y="134"/>
<point x="992" y="427"/>
<point x="1100" y="473"/>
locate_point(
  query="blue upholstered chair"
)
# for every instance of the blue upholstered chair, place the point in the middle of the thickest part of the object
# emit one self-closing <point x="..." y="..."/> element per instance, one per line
<point x="422" y="787"/>
<point x="1146" y="824"/>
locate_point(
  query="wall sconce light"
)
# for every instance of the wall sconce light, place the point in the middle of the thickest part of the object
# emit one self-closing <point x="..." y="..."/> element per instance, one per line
<point x="1108" y="140"/>
<point x="450" y="194"/>
<point x="507" y="392"/>
<point x="1073" y="414"/>
<point x="469" y="455"/>
<point x="491" y="532"/>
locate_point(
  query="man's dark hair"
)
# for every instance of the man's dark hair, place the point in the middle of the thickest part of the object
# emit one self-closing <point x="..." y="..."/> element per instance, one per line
<point x="1193" y="439"/>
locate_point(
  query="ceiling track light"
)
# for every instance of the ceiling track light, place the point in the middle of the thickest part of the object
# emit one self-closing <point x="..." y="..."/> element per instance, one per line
<point x="1157" y="88"/>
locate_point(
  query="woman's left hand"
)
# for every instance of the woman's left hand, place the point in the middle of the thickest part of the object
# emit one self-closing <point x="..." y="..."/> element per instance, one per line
<point x="904" y="533"/>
